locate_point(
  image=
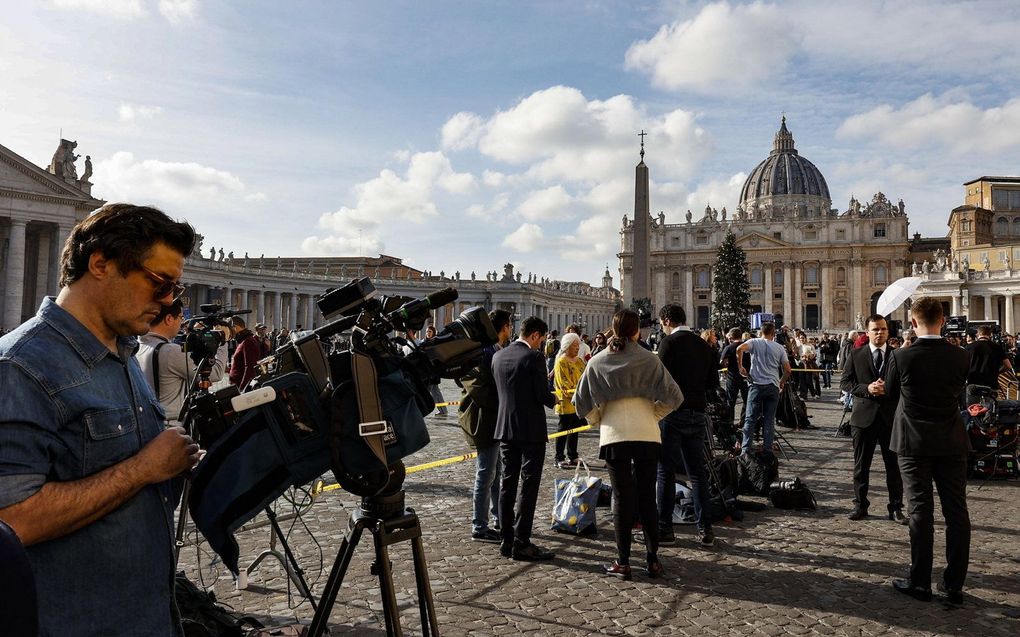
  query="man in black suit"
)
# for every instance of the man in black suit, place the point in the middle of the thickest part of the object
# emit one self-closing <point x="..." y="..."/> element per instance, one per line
<point x="519" y="372"/>
<point x="871" y="420"/>
<point x="930" y="440"/>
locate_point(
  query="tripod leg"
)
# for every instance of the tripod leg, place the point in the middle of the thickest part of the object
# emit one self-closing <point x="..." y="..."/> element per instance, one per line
<point x="336" y="578"/>
<point x="429" y="623"/>
<point x="293" y="568"/>
<point x="182" y="521"/>
<point x="384" y="570"/>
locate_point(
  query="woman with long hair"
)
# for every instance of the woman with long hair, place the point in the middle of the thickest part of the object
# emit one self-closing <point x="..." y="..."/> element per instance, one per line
<point x="626" y="390"/>
<point x="566" y="373"/>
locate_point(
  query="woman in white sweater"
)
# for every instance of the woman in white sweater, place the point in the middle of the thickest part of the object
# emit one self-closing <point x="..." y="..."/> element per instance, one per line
<point x="625" y="390"/>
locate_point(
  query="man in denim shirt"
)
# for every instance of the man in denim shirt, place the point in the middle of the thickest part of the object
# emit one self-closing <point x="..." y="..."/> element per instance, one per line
<point x="86" y="458"/>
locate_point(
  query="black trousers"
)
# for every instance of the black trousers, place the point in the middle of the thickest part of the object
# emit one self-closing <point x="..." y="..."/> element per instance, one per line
<point x="737" y="386"/>
<point x="568" y="442"/>
<point x="949" y="474"/>
<point x="633" y="483"/>
<point x="522" y="463"/>
<point x="864" y="441"/>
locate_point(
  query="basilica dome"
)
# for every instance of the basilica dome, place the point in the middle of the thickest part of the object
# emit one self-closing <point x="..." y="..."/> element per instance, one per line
<point x="785" y="183"/>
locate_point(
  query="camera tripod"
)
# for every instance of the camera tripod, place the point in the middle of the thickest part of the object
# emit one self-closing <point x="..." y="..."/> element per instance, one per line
<point x="390" y="523"/>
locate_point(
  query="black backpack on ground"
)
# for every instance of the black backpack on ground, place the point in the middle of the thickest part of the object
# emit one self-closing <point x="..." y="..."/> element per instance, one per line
<point x="792" y="494"/>
<point x="757" y="473"/>
<point x="201" y="616"/>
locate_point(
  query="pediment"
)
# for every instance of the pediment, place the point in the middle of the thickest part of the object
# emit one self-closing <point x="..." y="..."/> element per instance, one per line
<point x="759" y="240"/>
<point x="21" y="175"/>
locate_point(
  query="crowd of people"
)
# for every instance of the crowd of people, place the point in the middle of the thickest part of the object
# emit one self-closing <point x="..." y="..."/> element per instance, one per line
<point x="92" y="455"/>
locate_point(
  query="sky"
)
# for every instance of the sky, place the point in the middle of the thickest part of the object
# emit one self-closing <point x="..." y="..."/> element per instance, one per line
<point x="460" y="136"/>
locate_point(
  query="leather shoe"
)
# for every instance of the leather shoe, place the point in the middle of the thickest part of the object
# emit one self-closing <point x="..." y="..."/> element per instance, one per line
<point x="857" y="514"/>
<point x="896" y="515"/>
<point x="506" y="550"/>
<point x="617" y="570"/>
<point x="531" y="553"/>
<point x="655" y="569"/>
<point x="904" y="586"/>
<point x="952" y="595"/>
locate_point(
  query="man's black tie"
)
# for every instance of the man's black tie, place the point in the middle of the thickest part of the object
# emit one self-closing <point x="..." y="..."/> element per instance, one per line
<point x="878" y="362"/>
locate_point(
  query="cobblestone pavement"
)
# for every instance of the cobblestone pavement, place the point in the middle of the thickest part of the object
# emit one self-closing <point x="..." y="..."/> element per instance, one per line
<point x="776" y="572"/>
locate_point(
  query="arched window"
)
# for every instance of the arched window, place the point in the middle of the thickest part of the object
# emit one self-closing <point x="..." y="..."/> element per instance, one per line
<point x="777" y="278"/>
<point x="676" y="280"/>
<point x="840" y="276"/>
<point x="756" y="275"/>
<point x="703" y="278"/>
<point x="811" y="274"/>
<point x="881" y="275"/>
<point x="1016" y="226"/>
<point x="1002" y="226"/>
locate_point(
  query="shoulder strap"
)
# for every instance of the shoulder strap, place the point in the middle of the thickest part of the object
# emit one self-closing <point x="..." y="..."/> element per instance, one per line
<point x="155" y="369"/>
<point x="366" y="383"/>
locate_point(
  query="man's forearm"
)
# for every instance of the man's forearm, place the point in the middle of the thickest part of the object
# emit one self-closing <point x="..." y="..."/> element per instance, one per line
<point x="61" y="508"/>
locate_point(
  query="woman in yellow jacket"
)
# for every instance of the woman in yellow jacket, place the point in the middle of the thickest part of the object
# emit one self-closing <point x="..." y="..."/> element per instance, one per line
<point x="566" y="374"/>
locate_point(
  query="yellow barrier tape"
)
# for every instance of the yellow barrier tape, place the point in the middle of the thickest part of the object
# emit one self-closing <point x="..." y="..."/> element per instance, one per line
<point x="462" y="458"/>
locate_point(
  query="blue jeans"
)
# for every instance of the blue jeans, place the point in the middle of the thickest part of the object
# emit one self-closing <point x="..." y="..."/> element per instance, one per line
<point x="683" y="446"/>
<point x="762" y="401"/>
<point x="488" y="469"/>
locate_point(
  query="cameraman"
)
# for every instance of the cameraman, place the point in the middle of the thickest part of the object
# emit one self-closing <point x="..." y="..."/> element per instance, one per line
<point x="167" y="367"/>
<point x="987" y="359"/>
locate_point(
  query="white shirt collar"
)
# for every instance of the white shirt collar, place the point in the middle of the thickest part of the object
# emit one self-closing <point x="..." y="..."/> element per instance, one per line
<point x="883" y="348"/>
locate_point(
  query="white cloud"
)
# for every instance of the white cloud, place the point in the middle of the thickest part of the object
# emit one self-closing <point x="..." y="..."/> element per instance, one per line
<point x="597" y="237"/>
<point x="108" y="8"/>
<point x="560" y="135"/>
<point x="490" y="211"/>
<point x="722" y="49"/>
<point x="718" y="193"/>
<point x="461" y="131"/>
<point x="131" y="112"/>
<point x="335" y="245"/>
<point x="527" y="238"/>
<point x="177" y="184"/>
<point x="493" y="179"/>
<point x="177" y="11"/>
<point x="947" y="121"/>
<point x="544" y="205"/>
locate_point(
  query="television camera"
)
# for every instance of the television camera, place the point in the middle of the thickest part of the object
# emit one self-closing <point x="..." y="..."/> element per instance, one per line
<point x="202" y="339"/>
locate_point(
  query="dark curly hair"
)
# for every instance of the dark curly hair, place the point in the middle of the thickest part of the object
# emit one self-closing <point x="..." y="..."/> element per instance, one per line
<point x="123" y="233"/>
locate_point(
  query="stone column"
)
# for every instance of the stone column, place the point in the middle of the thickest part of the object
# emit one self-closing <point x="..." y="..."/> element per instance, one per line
<point x="244" y="300"/>
<point x="826" y="311"/>
<point x="15" y="276"/>
<point x="311" y="312"/>
<point x="42" y="270"/>
<point x="766" y="284"/>
<point x="788" y="294"/>
<point x="260" y="306"/>
<point x="988" y="307"/>
<point x="1009" y="314"/>
<point x="659" y="295"/>
<point x="278" y="322"/>
<point x="293" y="311"/>
<point x="63" y="232"/>
<point x="688" y="294"/>
<point x="956" y="303"/>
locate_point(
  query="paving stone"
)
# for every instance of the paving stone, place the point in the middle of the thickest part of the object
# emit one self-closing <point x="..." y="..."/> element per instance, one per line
<point x="774" y="573"/>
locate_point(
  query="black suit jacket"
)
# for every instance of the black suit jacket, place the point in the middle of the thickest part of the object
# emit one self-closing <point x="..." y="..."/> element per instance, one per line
<point x="523" y="389"/>
<point x="928" y="378"/>
<point x="859" y="372"/>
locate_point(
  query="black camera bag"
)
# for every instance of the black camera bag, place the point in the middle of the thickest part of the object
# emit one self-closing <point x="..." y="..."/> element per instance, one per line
<point x="792" y="495"/>
<point x="757" y="473"/>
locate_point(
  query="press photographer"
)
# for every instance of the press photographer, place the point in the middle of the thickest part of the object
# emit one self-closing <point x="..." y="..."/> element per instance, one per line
<point x="168" y="368"/>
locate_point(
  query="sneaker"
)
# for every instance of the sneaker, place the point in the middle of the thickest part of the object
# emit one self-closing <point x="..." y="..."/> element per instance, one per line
<point x="488" y="535"/>
<point x="706" y="538"/>
<point x="567" y="464"/>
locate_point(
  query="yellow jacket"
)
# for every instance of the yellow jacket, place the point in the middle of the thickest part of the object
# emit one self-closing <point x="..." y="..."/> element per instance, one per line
<point x="566" y="375"/>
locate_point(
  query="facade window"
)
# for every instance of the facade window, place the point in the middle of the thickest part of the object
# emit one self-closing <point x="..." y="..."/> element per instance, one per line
<point x="676" y="280"/>
<point x="756" y="275"/>
<point x="1000" y="199"/>
<point x="879" y="230"/>
<point x="703" y="278"/>
<point x="965" y="225"/>
<point x="881" y="275"/>
<point x="1002" y="255"/>
<point x="777" y="279"/>
<point x="777" y="235"/>
<point x="984" y="255"/>
<point x="810" y="235"/>
<point x="841" y="235"/>
<point x="1016" y="226"/>
<point x="840" y="311"/>
<point x="966" y="242"/>
<point x="701" y="239"/>
<point x="1002" y="226"/>
<point x="811" y="274"/>
<point x="1014" y="199"/>
<point x="840" y="276"/>
<point x="1016" y="253"/>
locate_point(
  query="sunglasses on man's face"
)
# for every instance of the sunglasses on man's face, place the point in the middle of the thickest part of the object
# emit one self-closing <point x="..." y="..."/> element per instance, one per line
<point x="164" y="286"/>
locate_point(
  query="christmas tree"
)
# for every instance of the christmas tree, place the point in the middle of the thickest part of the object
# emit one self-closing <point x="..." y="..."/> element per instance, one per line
<point x="732" y="304"/>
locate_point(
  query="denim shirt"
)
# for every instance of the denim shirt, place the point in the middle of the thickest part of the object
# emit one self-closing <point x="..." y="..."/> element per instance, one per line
<point x="71" y="408"/>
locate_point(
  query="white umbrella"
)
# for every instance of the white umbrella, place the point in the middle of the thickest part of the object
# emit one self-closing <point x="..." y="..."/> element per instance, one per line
<point x="897" y="292"/>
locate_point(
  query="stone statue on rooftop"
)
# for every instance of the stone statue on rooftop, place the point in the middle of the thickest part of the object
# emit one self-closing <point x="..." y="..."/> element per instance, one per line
<point x="88" y="169"/>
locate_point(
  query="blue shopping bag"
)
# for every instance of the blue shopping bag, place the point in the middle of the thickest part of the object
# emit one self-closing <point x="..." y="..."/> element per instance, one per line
<point x="574" y="502"/>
